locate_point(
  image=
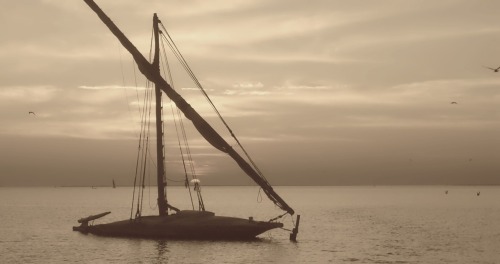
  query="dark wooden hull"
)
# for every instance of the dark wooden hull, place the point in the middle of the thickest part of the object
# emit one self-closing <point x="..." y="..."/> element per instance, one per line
<point x="183" y="225"/>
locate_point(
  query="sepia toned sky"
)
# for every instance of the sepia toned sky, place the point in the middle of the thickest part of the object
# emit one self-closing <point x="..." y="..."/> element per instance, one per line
<point x="319" y="92"/>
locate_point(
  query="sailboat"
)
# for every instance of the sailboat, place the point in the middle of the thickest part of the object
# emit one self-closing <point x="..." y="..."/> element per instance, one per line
<point x="172" y="223"/>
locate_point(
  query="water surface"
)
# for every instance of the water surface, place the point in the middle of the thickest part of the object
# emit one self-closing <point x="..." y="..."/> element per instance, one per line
<point x="373" y="224"/>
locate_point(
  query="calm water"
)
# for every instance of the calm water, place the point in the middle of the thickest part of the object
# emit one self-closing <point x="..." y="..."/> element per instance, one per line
<point x="338" y="225"/>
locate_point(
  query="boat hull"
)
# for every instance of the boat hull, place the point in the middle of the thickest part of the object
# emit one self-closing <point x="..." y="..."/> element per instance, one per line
<point x="201" y="225"/>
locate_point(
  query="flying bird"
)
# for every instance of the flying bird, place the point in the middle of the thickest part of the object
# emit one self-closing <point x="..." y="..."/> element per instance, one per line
<point x="29" y="113"/>
<point x="493" y="69"/>
<point x="454" y="103"/>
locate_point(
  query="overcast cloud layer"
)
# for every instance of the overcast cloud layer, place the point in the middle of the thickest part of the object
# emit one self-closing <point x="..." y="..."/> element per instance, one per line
<point x="319" y="92"/>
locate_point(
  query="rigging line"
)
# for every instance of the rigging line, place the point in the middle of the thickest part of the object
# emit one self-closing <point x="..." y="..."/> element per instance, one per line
<point x="134" y="65"/>
<point x="201" y="205"/>
<point x="256" y="169"/>
<point x="190" y="72"/>
<point x="144" y="152"/>
<point x="131" y="117"/>
<point x="184" y="63"/>
<point x="182" y="156"/>
<point x="151" y="45"/>
<point x="259" y="196"/>
<point x="277" y="217"/>
<point x="142" y="114"/>
<point x="129" y="100"/>
<point x="152" y="161"/>
<point x="186" y="143"/>
<point x="184" y="135"/>
<point x="144" y="123"/>
<point x="179" y="54"/>
<point x="179" y="57"/>
<point x="138" y="166"/>
<point x="139" y="173"/>
<point x="135" y="178"/>
<point x="181" y="60"/>
<point x="123" y="83"/>
<point x="172" y="180"/>
<point x="147" y="85"/>
<point x="167" y="66"/>
<point x="121" y="63"/>
<point x="188" y="149"/>
<point x="147" y="147"/>
<point x="286" y="229"/>
<point x="149" y="192"/>
<point x="131" y="114"/>
<point x="179" y="115"/>
<point x="147" y="107"/>
<point x="193" y="77"/>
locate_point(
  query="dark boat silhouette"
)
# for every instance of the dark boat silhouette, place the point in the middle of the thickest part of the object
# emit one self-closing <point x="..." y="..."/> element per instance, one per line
<point x="171" y="222"/>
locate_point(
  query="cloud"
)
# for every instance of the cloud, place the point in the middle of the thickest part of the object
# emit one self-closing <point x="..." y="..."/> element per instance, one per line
<point x="247" y="88"/>
<point x="234" y="92"/>
<point x="112" y="87"/>
<point x="247" y="85"/>
<point x="40" y="93"/>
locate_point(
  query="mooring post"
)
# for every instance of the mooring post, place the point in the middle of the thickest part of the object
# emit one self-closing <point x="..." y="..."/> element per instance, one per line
<point x="295" y="230"/>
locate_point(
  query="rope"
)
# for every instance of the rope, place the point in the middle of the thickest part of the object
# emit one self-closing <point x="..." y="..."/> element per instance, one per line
<point x="123" y="84"/>
<point x="149" y="193"/>
<point x="179" y="122"/>
<point x="277" y="217"/>
<point x="259" y="196"/>
<point x="141" y="199"/>
<point x="167" y="66"/>
<point x="184" y="63"/>
<point x="142" y="155"/>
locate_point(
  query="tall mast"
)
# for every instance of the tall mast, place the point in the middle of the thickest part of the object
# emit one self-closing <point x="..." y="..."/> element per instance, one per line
<point x="160" y="155"/>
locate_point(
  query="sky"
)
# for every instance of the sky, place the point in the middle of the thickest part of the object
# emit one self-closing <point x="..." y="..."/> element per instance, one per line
<point x="320" y="92"/>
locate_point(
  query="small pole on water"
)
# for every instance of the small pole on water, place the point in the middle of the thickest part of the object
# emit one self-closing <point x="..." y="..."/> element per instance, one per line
<point x="295" y="230"/>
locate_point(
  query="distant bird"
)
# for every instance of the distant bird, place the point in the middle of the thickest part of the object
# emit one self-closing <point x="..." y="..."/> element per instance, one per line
<point x="29" y="113"/>
<point x="446" y="192"/>
<point x="478" y="193"/>
<point x="493" y="69"/>
<point x="454" y="103"/>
